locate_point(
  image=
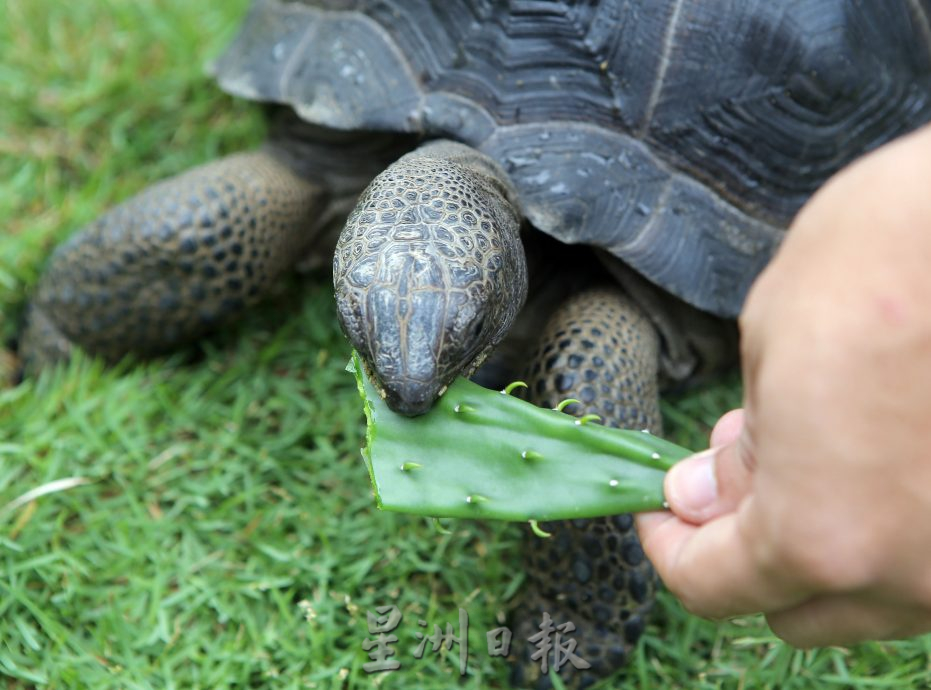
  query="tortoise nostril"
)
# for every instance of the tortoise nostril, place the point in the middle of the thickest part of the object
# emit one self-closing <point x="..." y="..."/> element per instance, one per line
<point x="411" y="398"/>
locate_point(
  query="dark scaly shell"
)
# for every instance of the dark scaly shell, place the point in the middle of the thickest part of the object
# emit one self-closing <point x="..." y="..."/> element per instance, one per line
<point x="681" y="135"/>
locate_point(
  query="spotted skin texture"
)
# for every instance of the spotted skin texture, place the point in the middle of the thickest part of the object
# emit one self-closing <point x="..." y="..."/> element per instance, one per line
<point x="598" y="347"/>
<point x="429" y="271"/>
<point x="178" y="259"/>
<point x="41" y="343"/>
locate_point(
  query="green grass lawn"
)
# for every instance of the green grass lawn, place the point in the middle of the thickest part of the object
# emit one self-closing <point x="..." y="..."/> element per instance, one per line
<point x="226" y="535"/>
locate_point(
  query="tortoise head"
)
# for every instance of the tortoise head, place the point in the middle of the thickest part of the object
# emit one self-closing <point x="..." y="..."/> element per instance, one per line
<point x="429" y="272"/>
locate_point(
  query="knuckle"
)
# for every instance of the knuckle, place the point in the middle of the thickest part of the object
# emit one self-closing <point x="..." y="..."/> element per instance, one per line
<point x="676" y="581"/>
<point x="791" y="632"/>
<point x="817" y="564"/>
<point x="746" y="453"/>
<point x="698" y="606"/>
<point x="685" y="592"/>
<point x="699" y="596"/>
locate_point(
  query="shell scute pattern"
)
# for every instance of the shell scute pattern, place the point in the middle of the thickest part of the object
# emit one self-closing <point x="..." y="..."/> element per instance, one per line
<point x="680" y="135"/>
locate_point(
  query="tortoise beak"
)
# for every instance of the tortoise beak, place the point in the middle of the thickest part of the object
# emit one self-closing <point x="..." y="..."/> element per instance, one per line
<point x="412" y="398"/>
<point x="404" y="324"/>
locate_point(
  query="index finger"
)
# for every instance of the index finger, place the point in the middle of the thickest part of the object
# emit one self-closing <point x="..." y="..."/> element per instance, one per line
<point x="724" y="567"/>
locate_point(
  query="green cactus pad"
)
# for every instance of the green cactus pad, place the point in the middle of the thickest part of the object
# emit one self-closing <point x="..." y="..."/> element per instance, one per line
<point x="485" y="454"/>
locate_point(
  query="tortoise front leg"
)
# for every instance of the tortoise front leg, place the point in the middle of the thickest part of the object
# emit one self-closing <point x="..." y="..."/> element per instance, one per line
<point x="174" y="261"/>
<point x="599" y="348"/>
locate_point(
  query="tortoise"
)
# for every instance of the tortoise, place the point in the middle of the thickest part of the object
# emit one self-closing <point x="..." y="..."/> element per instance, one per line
<point x="634" y="162"/>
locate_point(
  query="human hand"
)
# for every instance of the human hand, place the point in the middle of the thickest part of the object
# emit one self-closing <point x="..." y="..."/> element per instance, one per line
<point x="814" y="505"/>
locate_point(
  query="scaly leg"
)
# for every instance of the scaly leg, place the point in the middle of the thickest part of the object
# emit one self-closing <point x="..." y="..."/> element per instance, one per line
<point x="174" y="261"/>
<point x="599" y="348"/>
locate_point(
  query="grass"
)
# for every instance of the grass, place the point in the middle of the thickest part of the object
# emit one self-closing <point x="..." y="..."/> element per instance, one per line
<point x="226" y="537"/>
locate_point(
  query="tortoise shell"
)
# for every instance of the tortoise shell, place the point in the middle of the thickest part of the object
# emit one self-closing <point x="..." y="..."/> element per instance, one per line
<point x="680" y="135"/>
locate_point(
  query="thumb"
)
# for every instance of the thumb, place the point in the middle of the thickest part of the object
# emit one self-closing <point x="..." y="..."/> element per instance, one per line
<point x="713" y="482"/>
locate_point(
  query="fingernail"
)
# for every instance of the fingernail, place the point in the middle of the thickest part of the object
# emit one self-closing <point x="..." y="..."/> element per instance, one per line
<point x="691" y="485"/>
